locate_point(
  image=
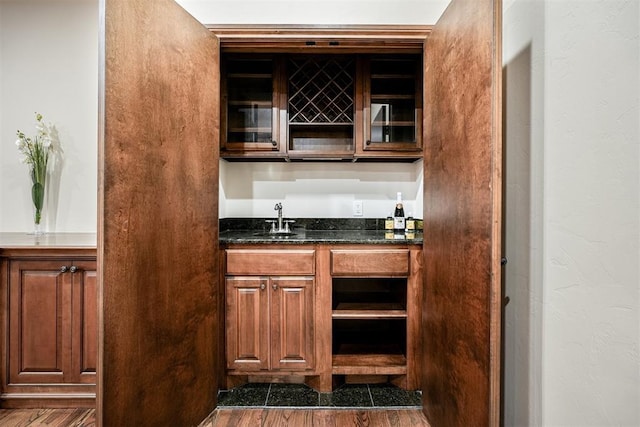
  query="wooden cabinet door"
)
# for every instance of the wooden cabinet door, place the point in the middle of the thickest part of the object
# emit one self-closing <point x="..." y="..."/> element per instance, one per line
<point x="392" y="103"/>
<point x="158" y="152"/>
<point x="292" y="340"/>
<point x="462" y="216"/>
<point x="52" y="322"/>
<point x="251" y="95"/>
<point x="247" y="323"/>
<point x="84" y="325"/>
<point x="39" y="322"/>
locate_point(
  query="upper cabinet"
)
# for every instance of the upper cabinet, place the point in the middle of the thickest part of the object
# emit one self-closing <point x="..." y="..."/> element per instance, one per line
<point x="392" y="103"/>
<point x="251" y="105"/>
<point x="321" y="106"/>
<point x="322" y="95"/>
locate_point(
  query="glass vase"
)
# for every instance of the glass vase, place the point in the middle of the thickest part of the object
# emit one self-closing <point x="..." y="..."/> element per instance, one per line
<point x="38" y="198"/>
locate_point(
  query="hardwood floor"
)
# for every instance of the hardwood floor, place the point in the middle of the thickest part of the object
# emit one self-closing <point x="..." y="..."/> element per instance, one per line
<point x="233" y="418"/>
<point x="47" y="417"/>
<point x="315" y="418"/>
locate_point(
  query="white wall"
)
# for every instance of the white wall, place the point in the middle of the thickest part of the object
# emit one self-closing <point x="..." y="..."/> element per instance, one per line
<point x="524" y="99"/>
<point x="572" y="71"/>
<point x="319" y="189"/>
<point x="49" y="64"/>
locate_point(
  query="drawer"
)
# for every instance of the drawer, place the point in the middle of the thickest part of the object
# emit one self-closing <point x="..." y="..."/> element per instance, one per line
<point x="269" y="262"/>
<point x="372" y="262"/>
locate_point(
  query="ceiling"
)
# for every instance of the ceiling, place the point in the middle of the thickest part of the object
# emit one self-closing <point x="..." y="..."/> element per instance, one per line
<point x="316" y="12"/>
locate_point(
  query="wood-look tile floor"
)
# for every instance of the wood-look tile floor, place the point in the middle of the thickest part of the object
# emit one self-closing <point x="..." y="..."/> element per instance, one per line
<point x="315" y="418"/>
<point x="234" y="418"/>
<point x="47" y="417"/>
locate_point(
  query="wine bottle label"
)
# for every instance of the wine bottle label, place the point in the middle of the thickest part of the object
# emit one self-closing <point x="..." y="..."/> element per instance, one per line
<point x="398" y="223"/>
<point x="388" y="224"/>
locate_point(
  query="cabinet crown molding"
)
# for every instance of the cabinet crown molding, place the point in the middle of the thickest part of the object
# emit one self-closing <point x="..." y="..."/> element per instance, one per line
<point x="322" y="39"/>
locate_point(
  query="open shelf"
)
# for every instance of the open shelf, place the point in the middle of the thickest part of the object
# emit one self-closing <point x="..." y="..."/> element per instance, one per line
<point x="369" y="364"/>
<point x="369" y="311"/>
<point x="316" y="137"/>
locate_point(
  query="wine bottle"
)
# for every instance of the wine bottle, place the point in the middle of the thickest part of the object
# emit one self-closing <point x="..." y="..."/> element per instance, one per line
<point x="398" y="215"/>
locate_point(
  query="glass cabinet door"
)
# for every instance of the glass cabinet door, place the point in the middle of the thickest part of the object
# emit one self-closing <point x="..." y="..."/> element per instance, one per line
<point x="249" y="118"/>
<point x="393" y="103"/>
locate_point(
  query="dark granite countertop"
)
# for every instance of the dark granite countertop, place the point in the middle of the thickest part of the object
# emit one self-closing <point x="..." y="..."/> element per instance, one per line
<point x="310" y="231"/>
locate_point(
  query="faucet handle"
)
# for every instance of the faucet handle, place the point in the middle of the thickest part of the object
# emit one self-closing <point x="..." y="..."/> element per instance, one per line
<point x="277" y="207"/>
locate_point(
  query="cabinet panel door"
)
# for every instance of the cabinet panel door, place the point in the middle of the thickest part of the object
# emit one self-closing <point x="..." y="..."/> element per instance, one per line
<point x="84" y="333"/>
<point x="462" y="216"/>
<point x="39" y="322"/>
<point x="292" y="323"/>
<point x="250" y="96"/>
<point x="393" y="103"/>
<point x="158" y="154"/>
<point x="247" y="315"/>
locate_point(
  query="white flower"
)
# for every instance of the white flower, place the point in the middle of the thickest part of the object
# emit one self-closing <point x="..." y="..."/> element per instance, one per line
<point x="36" y="153"/>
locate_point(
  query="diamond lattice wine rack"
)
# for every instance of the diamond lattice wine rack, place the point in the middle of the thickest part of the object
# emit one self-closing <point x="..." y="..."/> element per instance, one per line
<point x="321" y="105"/>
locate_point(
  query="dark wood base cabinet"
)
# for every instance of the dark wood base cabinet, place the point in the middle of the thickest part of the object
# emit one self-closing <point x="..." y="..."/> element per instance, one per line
<point x="269" y="313"/>
<point x="49" y="332"/>
<point x="323" y="314"/>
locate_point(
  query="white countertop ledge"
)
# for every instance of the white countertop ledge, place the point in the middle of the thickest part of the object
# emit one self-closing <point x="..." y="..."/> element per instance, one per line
<point x="48" y="240"/>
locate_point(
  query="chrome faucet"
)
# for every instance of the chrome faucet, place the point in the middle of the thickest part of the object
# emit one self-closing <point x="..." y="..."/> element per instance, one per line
<point x="278" y="208"/>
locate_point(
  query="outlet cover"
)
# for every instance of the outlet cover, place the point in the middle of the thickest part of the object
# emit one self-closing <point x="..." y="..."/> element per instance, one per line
<point x="357" y="208"/>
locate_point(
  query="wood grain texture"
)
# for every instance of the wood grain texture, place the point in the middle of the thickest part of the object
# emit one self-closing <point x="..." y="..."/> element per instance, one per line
<point x="344" y="38"/>
<point x="49" y="325"/>
<point x="233" y="418"/>
<point x="462" y="217"/>
<point x="270" y="261"/>
<point x="375" y="262"/>
<point x="292" y="321"/>
<point x="323" y="322"/>
<point x="47" y="417"/>
<point x="247" y="323"/>
<point x="315" y="418"/>
<point x="158" y="215"/>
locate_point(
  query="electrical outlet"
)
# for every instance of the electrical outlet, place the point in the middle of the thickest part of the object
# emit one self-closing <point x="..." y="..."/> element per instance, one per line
<point x="357" y="208"/>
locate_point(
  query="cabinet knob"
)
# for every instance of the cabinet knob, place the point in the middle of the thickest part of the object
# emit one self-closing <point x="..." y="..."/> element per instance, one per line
<point x="275" y="287"/>
<point x="73" y="269"/>
<point x="63" y="269"/>
<point x="274" y="143"/>
<point x="262" y="286"/>
<point x="368" y="142"/>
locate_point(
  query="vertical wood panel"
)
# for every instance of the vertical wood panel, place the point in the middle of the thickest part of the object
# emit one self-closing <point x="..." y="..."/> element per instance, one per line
<point x="85" y="324"/>
<point x="158" y="215"/>
<point x="40" y="322"/>
<point x="462" y="160"/>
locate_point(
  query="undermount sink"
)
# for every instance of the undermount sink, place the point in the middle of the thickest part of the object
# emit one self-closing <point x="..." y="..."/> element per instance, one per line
<point x="276" y="234"/>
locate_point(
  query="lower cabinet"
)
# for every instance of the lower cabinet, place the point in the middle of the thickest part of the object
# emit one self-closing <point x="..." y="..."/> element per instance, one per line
<point x="51" y="332"/>
<point x="269" y="311"/>
<point x="269" y="323"/>
<point x="324" y="314"/>
<point x="376" y="294"/>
